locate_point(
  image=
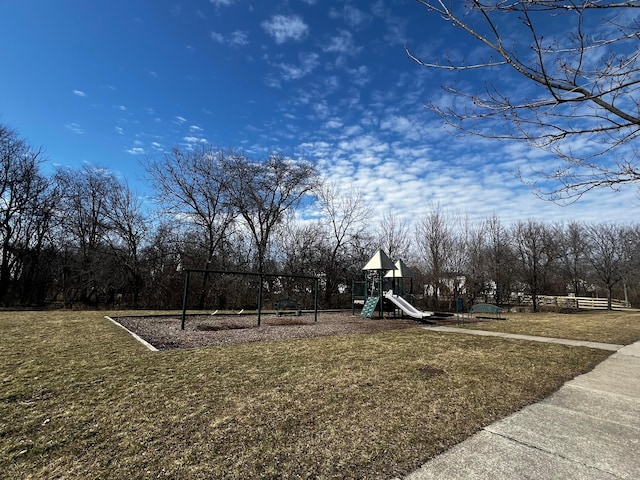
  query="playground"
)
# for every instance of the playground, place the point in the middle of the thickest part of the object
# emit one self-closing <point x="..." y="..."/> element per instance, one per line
<point x="164" y="332"/>
<point x="287" y="309"/>
<point x="298" y="396"/>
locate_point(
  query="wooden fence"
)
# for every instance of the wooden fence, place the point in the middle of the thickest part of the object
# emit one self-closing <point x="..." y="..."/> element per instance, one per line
<point x="578" y="302"/>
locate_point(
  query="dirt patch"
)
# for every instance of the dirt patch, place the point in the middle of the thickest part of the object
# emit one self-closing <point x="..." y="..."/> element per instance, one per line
<point x="431" y="371"/>
<point x="164" y="332"/>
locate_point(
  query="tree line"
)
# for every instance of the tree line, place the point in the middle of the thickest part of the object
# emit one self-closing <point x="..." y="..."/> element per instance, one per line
<point x="83" y="238"/>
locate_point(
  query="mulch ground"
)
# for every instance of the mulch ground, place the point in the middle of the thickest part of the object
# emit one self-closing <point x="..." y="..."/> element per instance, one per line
<point x="164" y="332"/>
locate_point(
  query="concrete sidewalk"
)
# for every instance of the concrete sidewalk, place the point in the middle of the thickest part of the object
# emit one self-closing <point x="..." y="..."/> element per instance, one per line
<point x="563" y="341"/>
<point x="589" y="429"/>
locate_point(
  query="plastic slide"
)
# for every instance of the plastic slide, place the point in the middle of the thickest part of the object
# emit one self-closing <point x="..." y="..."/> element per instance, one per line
<point x="405" y="306"/>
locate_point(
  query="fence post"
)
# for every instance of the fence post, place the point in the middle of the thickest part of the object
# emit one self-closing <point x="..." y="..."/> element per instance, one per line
<point x="315" y="300"/>
<point x="184" y="299"/>
<point x="259" y="298"/>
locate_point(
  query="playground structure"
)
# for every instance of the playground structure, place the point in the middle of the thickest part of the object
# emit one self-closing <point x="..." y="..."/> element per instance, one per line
<point x="383" y="269"/>
<point x="405" y="306"/>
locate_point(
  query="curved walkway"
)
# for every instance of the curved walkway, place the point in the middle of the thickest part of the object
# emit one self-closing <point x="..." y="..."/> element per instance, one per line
<point x="588" y="429"/>
<point x="564" y="341"/>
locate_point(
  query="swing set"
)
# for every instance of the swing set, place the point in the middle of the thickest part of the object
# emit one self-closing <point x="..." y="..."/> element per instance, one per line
<point x="261" y="279"/>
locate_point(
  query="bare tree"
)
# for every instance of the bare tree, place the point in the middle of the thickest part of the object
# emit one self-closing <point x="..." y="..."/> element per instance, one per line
<point x="536" y="252"/>
<point x="129" y="229"/>
<point x="498" y="259"/>
<point x="435" y="239"/>
<point x="85" y="226"/>
<point x="301" y="248"/>
<point x="344" y="218"/>
<point x="611" y="253"/>
<point x="161" y="257"/>
<point x="192" y="189"/>
<point x="631" y="282"/>
<point x="580" y="66"/>
<point x="27" y="202"/>
<point x="394" y="236"/>
<point x="477" y="277"/>
<point x="263" y="192"/>
<point x="573" y="248"/>
<point x="467" y="243"/>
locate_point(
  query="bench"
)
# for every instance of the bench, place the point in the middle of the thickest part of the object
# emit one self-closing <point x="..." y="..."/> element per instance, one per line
<point x="286" y="305"/>
<point x="485" y="308"/>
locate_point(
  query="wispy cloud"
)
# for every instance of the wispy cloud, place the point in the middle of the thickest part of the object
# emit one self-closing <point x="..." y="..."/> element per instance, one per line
<point x="79" y="93"/>
<point x="359" y="75"/>
<point x="396" y="30"/>
<point x="283" y="28"/>
<point x="138" y="149"/>
<point x="378" y="8"/>
<point x="341" y="43"/>
<point x="193" y="139"/>
<point x="221" y="3"/>
<point x="75" y="128"/>
<point x="333" y="123"/>
<point x="308" y="62"/>
<point x="409" y="129"/>
<point x="272" y="82"/>
<point x="238" y="38"/>
<point x="351" y="15"/>
<point x="119" y="130"/>
<point x="179" y="120"/>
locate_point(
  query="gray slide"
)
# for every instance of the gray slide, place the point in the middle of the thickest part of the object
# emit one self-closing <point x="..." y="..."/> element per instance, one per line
<point x="405" y="306"/>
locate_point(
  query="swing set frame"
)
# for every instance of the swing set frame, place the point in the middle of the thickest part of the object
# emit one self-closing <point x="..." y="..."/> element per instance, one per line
<point x="189" y="271"/>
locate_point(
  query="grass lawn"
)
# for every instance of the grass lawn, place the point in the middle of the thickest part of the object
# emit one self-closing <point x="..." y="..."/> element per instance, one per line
<point x="79" y="398"/>
<point x="618" y="327"/>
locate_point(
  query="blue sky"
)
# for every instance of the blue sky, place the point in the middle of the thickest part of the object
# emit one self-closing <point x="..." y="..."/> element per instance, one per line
<point x="111" y="82"/>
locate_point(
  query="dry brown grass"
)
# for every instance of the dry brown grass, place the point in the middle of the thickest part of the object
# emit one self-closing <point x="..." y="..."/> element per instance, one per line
<point x="617" y="327"/>
<point x="80" y="398"/>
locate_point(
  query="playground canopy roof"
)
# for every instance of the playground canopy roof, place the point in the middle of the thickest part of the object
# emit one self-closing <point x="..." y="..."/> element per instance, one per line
<point x="401" y="271"/>
<point x="379" y="261"/>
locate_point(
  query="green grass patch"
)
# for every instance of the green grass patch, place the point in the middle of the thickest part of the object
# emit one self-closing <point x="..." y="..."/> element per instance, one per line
<point x="617" y="327"/>
<point x="79" y="398"/>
